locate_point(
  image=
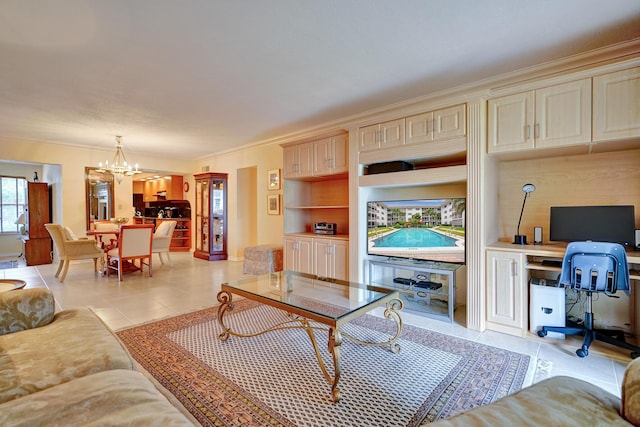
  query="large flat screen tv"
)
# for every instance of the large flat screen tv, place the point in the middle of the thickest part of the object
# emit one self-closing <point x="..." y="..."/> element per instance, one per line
<point x="421" y="229"/>
<point x="614" y="224"/>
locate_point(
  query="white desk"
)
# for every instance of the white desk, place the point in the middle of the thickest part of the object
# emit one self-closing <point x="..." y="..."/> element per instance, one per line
<point x="509" y="268"/>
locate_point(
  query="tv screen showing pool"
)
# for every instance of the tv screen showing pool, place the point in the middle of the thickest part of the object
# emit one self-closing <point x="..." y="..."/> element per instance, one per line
<point x="421" y="229"/>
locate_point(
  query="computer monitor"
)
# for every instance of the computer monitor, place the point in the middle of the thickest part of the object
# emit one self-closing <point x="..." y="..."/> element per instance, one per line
<point x="614" y="224"/>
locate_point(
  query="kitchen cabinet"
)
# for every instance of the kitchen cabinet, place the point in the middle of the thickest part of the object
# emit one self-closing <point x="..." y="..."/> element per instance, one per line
<point x="555" y="116"/>
<point x="616" y="105"/>
<point x="211" y="216"/>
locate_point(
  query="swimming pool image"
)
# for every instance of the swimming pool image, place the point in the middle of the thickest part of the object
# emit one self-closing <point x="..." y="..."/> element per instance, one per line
<point x="414" y="237"/>
<point x="418" y="243"/>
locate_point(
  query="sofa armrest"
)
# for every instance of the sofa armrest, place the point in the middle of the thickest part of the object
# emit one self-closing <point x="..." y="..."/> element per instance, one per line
<point x="631" y="392"/>
<point x="25" y="309"/>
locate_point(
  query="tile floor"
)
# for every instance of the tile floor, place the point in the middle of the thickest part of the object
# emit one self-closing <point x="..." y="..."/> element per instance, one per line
<point x="192" y="284"/>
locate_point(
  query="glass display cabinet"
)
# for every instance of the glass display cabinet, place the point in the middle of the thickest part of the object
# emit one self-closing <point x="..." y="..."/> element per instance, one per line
<point x="211" y="216"/>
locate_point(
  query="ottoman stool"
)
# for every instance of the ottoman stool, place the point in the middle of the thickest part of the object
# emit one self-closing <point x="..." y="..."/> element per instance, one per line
<point x="262" y="259"/>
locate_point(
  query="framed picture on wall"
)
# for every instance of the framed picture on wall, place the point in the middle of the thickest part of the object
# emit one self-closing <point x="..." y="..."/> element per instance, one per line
<point x="273" y="204"/>
<point x="273" y="181"/>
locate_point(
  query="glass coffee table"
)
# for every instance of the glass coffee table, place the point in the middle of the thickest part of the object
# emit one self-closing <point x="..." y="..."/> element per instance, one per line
<point x="314" y="303"/>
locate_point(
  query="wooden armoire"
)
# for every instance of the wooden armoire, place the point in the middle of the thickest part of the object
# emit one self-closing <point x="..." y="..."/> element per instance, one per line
<point x="37" y="248"/>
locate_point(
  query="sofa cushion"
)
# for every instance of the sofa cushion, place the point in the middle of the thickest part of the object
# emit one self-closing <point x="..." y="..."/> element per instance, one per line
<point x="631" y="392"/>
<point x="559" y="400"/>
<point x="114" y="398"/>
<point x="75" y="344"/>
<point x="25" y="309"/>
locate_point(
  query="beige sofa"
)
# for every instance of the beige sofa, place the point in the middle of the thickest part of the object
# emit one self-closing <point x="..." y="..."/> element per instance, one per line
<point x="68" y="369"/>
<point x="560" y="401"/>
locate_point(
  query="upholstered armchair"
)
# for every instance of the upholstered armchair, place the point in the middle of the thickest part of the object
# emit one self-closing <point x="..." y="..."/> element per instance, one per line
<point x="73" y="249"/>
<point x="162" y="239"/>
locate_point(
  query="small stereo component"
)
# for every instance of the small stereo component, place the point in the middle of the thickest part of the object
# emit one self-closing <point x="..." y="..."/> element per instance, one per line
<point x="324" y="228"/>
<point x="637" y="239"/>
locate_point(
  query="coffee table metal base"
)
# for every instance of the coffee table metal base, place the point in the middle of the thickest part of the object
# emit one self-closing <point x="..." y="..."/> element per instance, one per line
<point x="392" y="312"/>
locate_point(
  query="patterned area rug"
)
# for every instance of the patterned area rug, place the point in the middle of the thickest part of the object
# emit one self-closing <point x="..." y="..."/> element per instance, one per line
<point x="274" y="379"/>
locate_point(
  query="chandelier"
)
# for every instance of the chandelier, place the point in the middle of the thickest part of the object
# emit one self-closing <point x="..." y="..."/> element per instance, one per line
<point x="118" y="166"/>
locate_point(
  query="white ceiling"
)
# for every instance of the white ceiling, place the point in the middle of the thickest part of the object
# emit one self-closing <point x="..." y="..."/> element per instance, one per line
<point x="191" y="78"/>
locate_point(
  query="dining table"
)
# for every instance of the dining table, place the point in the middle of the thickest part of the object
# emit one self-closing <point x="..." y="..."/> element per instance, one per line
<point x="98" y="235"/>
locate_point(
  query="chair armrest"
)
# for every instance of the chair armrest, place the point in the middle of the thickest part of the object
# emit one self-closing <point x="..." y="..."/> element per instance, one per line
<point x="81" y="247"/>
<point x="161" y="242"/>
<point x="25" y="309"/>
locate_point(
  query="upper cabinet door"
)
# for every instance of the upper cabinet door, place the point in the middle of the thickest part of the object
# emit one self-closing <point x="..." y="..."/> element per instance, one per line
<point x="563" y="115"/>
<point x="382" y="135"/>
<point x="290" y="164"/>
<point x="298" y="160"/>
<point x="450" y="122"/>
<point x="555" y="116"/>
<point x="616" y="105"/>
<point x="419" y="128"/>
<point x="330" y="156"/>
<point x="368" y="138"/>
<point x="392" y="133"/>
<point x="510" y="123"/>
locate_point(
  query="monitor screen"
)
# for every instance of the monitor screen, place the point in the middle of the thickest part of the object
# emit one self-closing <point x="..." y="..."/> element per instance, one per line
<point x="614" y="224"/>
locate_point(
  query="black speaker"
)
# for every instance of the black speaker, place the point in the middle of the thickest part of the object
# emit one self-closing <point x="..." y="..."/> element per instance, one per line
<point x="386" y="167"/>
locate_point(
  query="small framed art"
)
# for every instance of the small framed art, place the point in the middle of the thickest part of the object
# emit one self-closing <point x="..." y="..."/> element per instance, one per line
<point x="273" y="204"/>
<point x="274" y="179"/>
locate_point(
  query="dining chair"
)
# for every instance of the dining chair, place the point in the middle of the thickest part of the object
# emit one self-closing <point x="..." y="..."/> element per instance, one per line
<point x="134" y="243"/>
<point x="162" y="239"/>
<point x="70" y="248"/>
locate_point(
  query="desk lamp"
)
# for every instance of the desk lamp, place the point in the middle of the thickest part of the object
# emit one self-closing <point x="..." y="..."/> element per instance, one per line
<point x="521" y="239"/>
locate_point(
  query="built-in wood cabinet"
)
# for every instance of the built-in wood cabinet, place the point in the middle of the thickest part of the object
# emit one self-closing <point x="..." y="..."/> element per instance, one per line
<point x="436" y="125"/>
<point x="553" y="116"/>
<point x="382" y="135"/>
<point x="507" y="292"/>
<point x="298" y="252"/>
<point x="298" y="160"/>
<point x="37" y="247"/>
<point x="616" y="108"/>
<point x="331" y="258"/>
<point x="324" y="256"/>
<point x="319" y="196"/>
<point x="331" y="155"/>
<point x="211" y="216"/>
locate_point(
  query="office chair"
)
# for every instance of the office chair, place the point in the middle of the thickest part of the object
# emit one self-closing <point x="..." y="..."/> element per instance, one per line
<point x="594" y="267"/>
